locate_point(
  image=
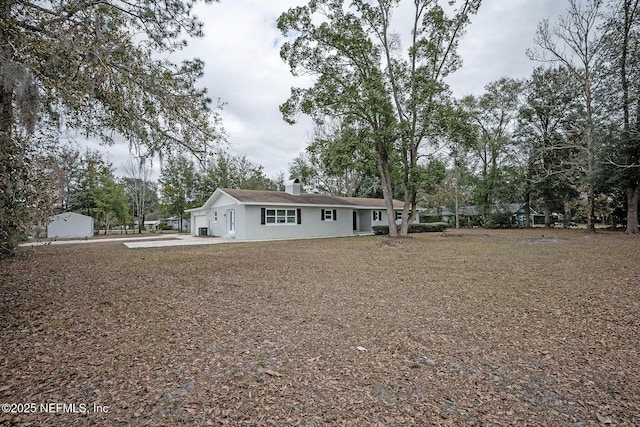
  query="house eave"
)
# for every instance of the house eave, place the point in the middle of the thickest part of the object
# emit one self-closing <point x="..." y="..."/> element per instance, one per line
<point x="341" y="202"/>
<point x="302" y="205"/>
<point x="307" y="205"/>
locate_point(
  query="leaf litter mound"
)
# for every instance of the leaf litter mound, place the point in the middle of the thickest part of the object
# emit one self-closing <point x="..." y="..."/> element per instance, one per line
<point x="483" y="329"/>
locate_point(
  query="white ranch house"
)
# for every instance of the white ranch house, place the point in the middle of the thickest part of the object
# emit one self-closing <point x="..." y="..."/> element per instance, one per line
<point x="263" y="215"/>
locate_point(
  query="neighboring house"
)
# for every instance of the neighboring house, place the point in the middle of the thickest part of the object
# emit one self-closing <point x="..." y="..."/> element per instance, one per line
<point x="175" y="223"/>
<point x="449" y="215"/>
<point x="151" y="225"/>
<point x="261" y="215"/>
<point x="148" y="225"/>
<point x="69" y="225"/>
<point x="468" y="213"/>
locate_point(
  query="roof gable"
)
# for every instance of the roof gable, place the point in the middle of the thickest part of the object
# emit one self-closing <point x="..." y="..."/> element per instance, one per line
<point x="279" y="197"/>
<point x="217" y="195"/>
<point x="68" y="215"/>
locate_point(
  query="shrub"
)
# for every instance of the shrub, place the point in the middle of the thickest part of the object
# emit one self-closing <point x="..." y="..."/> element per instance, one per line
<point x="428" y="228"/>
<point x="430" y="219"/>
<point x="413" y="228"/>
<point x="380" y="229"/>
<point x="500" y="220"/>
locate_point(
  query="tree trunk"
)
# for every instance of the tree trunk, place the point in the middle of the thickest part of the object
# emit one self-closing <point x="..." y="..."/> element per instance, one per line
<point x="387" y="192"/>
<point x="567" y="214"/>
<point x="633" y="196"/>
<point x="547" y="213"/>
<point x="527" y="210"/>
<point x="633" y="187"/>
<point x="457" y="207"/>
<point x="6" y="110"/>
<point x="591" y="226"/>
<point x="9" y="155"/>
<point x="406" y="218"/>
<point x="591" y="197"/>
<point x="140" y="224"/>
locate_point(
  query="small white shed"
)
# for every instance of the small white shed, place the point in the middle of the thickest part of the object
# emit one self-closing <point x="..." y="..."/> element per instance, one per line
<point x="70" y="225"/>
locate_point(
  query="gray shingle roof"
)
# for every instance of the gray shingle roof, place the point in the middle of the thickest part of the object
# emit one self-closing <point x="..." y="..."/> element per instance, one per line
<point x="271" y="197"/>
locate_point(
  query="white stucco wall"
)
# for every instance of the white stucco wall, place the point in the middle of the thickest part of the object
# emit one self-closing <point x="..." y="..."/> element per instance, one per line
<point x="216" y="223"/>
<point x="311" y="226"/>
<point x="70" y="225"/>
<point x="198" y="220"/>
<point x="215" y="214"/>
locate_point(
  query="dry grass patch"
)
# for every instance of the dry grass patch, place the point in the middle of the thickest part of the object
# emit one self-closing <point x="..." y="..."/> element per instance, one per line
<point x="536" y="327"/>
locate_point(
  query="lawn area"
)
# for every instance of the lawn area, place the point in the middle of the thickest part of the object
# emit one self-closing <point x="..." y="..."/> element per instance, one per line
<point x="471" y="327"/>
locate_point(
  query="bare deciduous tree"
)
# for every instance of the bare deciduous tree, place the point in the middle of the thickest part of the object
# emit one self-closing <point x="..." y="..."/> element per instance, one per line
<point x="576" y="43"/>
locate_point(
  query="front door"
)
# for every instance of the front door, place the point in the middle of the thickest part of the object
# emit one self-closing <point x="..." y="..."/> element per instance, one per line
<point x="231" y="222"/>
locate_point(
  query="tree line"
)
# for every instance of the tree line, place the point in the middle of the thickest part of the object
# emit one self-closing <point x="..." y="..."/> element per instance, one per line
<point x="566" y="138"/>
<point x="386" y="121"/>
<point x="187" y="182"/>
<point x="98" y="69"/>
<point x="85" y="182"/>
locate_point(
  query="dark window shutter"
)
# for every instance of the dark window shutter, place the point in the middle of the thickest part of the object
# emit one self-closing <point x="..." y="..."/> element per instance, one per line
<point x="263" y="216"/>
<point x="335" y="216"/>
<point x="299" y="212"/>
<point x="322" y="214"/>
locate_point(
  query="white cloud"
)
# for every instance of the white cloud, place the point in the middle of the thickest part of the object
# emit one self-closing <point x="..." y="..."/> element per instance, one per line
<point x="244" y="68"/>
<point x="496" y="42"/>
<point x="241" y="49"/>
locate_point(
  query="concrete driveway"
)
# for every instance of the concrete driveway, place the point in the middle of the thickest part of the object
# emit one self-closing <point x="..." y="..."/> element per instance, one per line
<point x="158" y="241"/>
<point x="179" y="240"/>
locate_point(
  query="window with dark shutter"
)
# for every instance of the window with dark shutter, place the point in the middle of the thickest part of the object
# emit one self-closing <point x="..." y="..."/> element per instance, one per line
<point x="328" y="214"/>
<point x="279" y="216"/>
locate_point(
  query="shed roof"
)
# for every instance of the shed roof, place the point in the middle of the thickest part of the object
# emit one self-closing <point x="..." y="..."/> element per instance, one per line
<point x="67" y="215"/>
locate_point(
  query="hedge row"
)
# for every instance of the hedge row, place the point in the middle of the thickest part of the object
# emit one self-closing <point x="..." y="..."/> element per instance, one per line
<point x="413" y="228"/>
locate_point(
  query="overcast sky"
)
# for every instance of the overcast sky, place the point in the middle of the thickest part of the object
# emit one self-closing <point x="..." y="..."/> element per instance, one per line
<point x="244" y="69"/>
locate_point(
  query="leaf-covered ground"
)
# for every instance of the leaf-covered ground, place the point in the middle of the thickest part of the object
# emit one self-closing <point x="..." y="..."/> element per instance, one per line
<point x="527" y="327"/>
